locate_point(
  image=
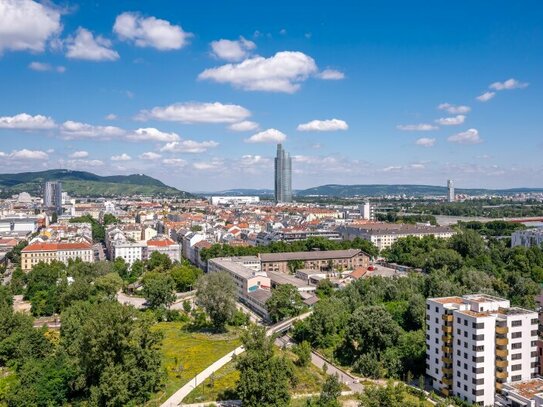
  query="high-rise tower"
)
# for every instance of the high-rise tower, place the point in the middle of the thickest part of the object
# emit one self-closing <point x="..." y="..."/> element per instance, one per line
<point x="52" y="196"/>
<point x="283" y="176"/>
<point x="450" y="190"/>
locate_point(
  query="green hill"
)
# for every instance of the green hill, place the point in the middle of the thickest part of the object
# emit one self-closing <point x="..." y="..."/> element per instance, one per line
<point x="82" y="183"/>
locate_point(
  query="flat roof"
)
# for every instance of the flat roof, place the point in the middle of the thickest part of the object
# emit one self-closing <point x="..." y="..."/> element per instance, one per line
<point x="282" y="278"/>
<point x="232" y="265"/>
<point x="401" y="228"/>
<point x="528" y="388"/>
<point x="260" y="295"/>
<point x="314" y="255"/>
<point x="448" y="300"/>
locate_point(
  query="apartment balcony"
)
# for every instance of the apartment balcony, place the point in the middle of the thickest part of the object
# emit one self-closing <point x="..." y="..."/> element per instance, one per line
<point x="446" y="392"/>
<point x="502" y="353"/>
<point x="501" y="363"/>
<point x="447" y="317"/>
<point x="502" y="330"/>
<point x="501" y="375"/>
<point x="446" y="349"/>
<point x="447" y="380"/>
<point x="447" y="371"/>
<point x="499" y="386"/>
<point x="501" y="341"/>
<point x="447" y="329"/>
<point x="447" y="339"/>
<point x="446" y="360"/>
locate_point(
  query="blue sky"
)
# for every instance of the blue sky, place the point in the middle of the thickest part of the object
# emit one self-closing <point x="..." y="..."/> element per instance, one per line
<point x="198" y="93"/>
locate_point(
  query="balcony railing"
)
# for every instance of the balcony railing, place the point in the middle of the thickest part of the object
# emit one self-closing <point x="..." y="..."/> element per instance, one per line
<point x="501" y="341"/>
<point x="501" y="375"/>
<point x="447" y="329"/>
<point x="447" y="380"/>
<point x="447" y="339"/>
<point x="502" y="330"/>
<point x="446" y="360"/>
<point x="447" y="317"/>
<point x="501" y="363"/>
<point x="502" y="353"/>
<point x="446" y="349"/>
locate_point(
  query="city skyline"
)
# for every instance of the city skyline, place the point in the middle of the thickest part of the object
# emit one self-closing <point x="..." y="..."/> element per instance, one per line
<point x="358" y="94"/>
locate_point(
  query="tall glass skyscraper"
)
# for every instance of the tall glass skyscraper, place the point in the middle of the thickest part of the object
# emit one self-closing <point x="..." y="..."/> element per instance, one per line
<point x="283" y="176"/>
<point x="52" y="196"/>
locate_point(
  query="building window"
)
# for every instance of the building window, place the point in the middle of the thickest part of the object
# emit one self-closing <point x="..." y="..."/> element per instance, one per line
<point x="516" y="367"/>
<point x="516" y="323"/>
<point x="516" y="345"/>
<point x="516" y="378"/>
<point x="515" y="335"/>
<point x="516" y="356"/>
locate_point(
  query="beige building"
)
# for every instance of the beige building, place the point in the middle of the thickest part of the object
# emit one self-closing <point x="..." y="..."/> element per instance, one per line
<point x="48" y="252"/>
<point x="349" y="259"/>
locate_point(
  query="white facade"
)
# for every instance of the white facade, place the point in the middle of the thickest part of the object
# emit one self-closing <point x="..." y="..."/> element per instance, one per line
<point x="234" y="200"/>
<point x="450" y="191"/>
<point x="366" y="211"/>
<point x="476" y="343"/>
<point x="128" y="251"/>
<point x="527" y="238"/>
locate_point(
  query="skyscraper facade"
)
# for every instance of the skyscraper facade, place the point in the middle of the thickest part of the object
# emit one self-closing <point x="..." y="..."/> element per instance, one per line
<point x="52" y="196"/>
<point x="283" y="176"/>
<point x="450" y="190"/>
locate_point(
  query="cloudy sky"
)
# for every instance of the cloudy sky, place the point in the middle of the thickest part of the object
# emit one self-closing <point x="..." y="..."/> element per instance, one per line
<point x="198" y="93"/>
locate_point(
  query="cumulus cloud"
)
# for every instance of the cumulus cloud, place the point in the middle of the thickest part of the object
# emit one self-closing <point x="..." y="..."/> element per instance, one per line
<point x="174" y="162"/>
<point x="267" y="136"/>
<point x="485" y="97"/>
<point x="25" y="154"/>
<point x="245" y="125"/>
<point x="149" y="156"/>
<point x="213" y="165"/>
<point x="470" y="136"/>
<point x="150" y="32"/>
<point x="323" y="125"/>
<point x="282" y="72"/>
<point x="232" y="50"/>
<point x="111" y="116"/>
<point x="121" y="157"/>
<point x="509" y="84"/>
<point x="331" y="75"/>
<point x="85" y="46"/>
<point x="451" y="121"/>
<point x="454" y="109"/>
<point x="254" y="160"/>
<point x="27" y="25"/>
<point x="189" y="146"/>
<point x="425" y="142"/>
<point x="24" y="121"/>
<point x="152" y="134"/>
<point x="79" y="154"/>
<point x="193" y="112"/>
<point x="76" y="130"/>
<point x="416" y="127"/>
<point x="397" y="168"/>
<point x="44" y="67"/>
<point x="85" y="163"/>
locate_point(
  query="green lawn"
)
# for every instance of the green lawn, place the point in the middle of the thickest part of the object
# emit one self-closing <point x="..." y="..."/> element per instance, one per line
<point x="308" y="380"/>
<point x="185" y="354"/>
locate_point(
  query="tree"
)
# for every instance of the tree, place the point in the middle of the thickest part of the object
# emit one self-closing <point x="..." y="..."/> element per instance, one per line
<point x="216" y="293"/>
<point x="370" y="329"/>
<point x="468" y="243"/>
<point x="331" y="390"/>
<point x="325" y="288"/>
<point x="109" y="284"/>
<point x="294" y="265"/>
<point x="264" y="377"/>
<point x="303" y="351"/>
<point x="285" y="302"/>
<point x="185" y="276"/>
<point x="391" y="395"/>
<point x="158" y="290"/>
<point x="159" y="261"/>
<point x="114" y="351"/>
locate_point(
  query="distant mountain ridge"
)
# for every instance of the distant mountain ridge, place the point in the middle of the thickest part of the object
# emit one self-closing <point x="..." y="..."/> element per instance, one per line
<point x="344" y="191"/>
<point x="82" y="183"/>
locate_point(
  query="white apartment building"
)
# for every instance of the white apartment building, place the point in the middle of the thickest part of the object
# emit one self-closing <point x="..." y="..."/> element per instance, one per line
<point x="527" y="238"/>
<point x="128" y="251"/>
<point x="476" y="343"/>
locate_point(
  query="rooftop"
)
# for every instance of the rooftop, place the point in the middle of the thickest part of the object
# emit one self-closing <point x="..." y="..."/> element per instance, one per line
<point x="314" y="255"/>
<point x="48" y="247"/>
<point x="527" y="389"/>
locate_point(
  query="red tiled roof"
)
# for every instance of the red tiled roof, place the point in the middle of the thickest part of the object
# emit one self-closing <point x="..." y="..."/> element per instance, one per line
<point x="161" y="243"/>
<point x="47" y="247"/>
<point x="358" y="273"/>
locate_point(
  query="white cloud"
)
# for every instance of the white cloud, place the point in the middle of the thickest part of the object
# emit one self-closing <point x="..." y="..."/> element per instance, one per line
<point x="149" y="156"/>
<point x="174" y="162"/>
<point x="509" y="84"/>
<point x="324" y="125"/>
<point x="150" y="32"/>
<point x="485" y="97"/>
<point x="267" y="136"/>
<point x="416" y="127"/>
<point x="245" y="125"/>
<point x="76" y="130"/>
<point x="189" y="146"/>
<point x="451" y="121"/>
<point x="232" y="50"/>
<point x="213" y="165"/>
<point x="27" y="25"/>
<point x="24" y="121"/>
<point x="152" y="134"/>
<point x="193" y="112"/>
<point x="254" y="160"/>
<point x="397" y="168"/>
<point x="454" y="109"/>
<point x="425" y="142"/>
<point x="111" y="116"/>
<point x="79" y="154"/>
<point x="44" y="67"/>
<point x="25" y="154"/>
<point x="121" y="157"/>
<point x="470" y="136"/>
<point x="282" y="72"/>
<point x="331" y="75"/>
<point x="85" y="46"/>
